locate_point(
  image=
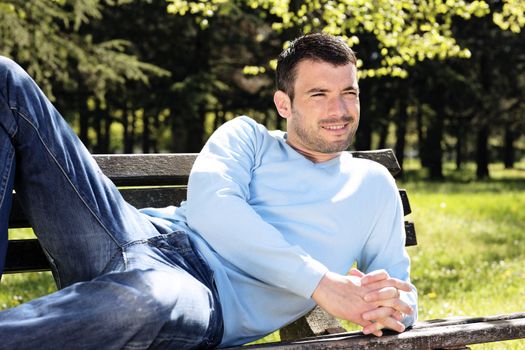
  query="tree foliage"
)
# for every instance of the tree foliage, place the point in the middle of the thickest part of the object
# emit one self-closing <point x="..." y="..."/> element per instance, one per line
<point x="512" y="15"/>
<point x="46" y="37"/>
<point x="460" y="55"/>
<point x="405" y="31"/>
<point x="443" y="78"/>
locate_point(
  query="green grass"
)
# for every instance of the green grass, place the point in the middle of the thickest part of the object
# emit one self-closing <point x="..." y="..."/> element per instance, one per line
<point x="469" y="260"/>
<point x="470" y="257"/>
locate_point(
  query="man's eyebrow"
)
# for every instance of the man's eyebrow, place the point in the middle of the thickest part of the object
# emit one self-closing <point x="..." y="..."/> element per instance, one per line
<point x="314" y="90"/>
<point x="321" y="90"/>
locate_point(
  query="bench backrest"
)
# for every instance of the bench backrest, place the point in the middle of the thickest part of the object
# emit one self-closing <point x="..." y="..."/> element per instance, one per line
<point x="153" y="180"/>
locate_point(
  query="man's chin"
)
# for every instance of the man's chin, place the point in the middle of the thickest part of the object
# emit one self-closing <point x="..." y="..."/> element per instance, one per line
<point x="336" y="148"/>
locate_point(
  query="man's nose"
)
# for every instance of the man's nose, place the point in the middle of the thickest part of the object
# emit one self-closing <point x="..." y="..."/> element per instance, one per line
<point x="337" y="107"/>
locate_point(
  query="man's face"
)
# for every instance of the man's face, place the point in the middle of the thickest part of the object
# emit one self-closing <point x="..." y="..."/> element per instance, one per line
<point x="324" y="115"/>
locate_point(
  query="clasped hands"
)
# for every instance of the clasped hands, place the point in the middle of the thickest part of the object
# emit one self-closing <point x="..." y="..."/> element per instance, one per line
<point x="371" y="301"/>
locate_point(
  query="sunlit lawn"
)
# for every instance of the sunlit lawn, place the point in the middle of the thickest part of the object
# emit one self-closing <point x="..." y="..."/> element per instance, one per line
<point x="470" y="258"/>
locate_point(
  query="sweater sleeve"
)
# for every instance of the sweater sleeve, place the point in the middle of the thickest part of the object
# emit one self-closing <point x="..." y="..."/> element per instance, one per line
<point x="218" y="209"/>
<point x="385" y="247"/>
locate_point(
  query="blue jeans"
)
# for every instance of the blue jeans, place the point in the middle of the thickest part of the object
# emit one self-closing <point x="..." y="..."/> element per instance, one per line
<point x="126" y="281"/>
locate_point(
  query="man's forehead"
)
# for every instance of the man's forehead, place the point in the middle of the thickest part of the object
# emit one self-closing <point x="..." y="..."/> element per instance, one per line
<point x="319" y="73"/>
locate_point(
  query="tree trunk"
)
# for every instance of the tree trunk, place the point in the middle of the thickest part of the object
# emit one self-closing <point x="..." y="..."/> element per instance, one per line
<point x="482" y="141"/>
<point x="132" y="131"/>
<point x="434" y="153"/>
<point x="383" y="134"/>
<point x="102" y="125"/>
<point x="482" y="153"/>
<point x="401" y="129"/>
<point x="460" y="143"/>
<point x="509" y="153"/>
<point x="363" y="139"/>
<point x="178" y="136"/>
<point x="421" y="142"/>
<point x="196" y="132"/>
<point x="219" y="119"/>
<point x="107" y="130"/>
<point x="84" y="121"/>
<point x="146" y="137"/>
<point x="156" y="124"/>
<point x="128" y="135"/>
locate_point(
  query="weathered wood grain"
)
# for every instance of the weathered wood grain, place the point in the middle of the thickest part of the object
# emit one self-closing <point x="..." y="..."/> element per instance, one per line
<point x="386" y="157"/>
<point x="147" y="169"/>
<point x="315" y="323"/>
<point x="438" y="334"/>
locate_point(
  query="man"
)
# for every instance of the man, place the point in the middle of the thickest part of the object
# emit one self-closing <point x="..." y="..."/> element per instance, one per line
<point x="271" y="226"/>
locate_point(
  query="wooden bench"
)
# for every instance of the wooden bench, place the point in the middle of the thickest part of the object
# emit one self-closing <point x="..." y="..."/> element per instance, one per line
<point x="158" y="180"/>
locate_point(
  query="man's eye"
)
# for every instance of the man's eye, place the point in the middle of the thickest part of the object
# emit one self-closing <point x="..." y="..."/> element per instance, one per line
<point x="351" y="95"/>
<point x="318" y="94"/>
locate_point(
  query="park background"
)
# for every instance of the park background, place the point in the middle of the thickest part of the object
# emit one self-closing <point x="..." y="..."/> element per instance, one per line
<point x="442" y="83"/>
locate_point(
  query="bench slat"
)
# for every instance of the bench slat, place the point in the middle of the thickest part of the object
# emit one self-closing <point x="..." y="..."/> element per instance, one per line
<point x="387" y="157"/>
<point x="174" y="168"/>
<point x="138" y="197"/>
<point x="436" y="334"/>
<point x="25" y="255"/>
<point x="147" y="169"/>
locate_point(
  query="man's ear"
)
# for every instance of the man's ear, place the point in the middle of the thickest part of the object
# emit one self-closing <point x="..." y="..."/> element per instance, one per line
<point x="282" y="103"/>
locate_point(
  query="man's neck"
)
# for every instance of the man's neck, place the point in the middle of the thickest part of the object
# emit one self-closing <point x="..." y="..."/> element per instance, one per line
<point x="315" y="157"/>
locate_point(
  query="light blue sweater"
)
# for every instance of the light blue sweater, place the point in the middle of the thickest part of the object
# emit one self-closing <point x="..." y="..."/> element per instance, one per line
<point x="271" y="223"/>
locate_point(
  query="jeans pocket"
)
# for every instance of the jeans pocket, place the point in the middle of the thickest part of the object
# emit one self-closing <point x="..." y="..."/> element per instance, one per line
<point x="175" y="241"/>
<point x="180" y="250"/>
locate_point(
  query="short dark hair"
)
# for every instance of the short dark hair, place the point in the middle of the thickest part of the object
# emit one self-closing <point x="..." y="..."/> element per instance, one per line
<point x="316" y="47"/>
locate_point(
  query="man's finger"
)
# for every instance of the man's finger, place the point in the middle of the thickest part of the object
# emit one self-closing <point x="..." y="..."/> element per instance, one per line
<point x="388" y="282"/>
<point x="374" y="328"/>
<point x="374" y="276"/>
<point x="395" y="304"/>
<point x="398" y="315"/>
<point x="381" y="294"/>
<point x="387" y="319"/>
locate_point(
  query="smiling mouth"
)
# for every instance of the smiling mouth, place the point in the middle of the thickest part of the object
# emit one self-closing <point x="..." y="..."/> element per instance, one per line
<point x="335" y="127"/>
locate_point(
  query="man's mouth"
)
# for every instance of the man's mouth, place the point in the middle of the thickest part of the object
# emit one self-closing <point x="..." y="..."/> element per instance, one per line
<point x="335" y="127"/>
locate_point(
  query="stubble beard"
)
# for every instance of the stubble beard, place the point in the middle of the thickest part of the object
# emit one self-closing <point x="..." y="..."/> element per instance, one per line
<point x="312" y="140"/>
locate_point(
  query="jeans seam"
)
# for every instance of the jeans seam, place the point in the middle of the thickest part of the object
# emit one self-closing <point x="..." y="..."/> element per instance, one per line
<point x="5" y="179"/>
<point x="10" y="133"/>
<point x="64" y="173"/>
<point x="54" y="268"/>
<point x="133" y="243"/>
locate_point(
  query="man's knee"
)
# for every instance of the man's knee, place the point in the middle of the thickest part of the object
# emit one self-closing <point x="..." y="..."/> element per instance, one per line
<point x="129" y="303"/>
<point x="7" y="62"/>
<point x="173" y="301"/>
<point x="14" y="80"/>
<point x="7" y="65"/>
